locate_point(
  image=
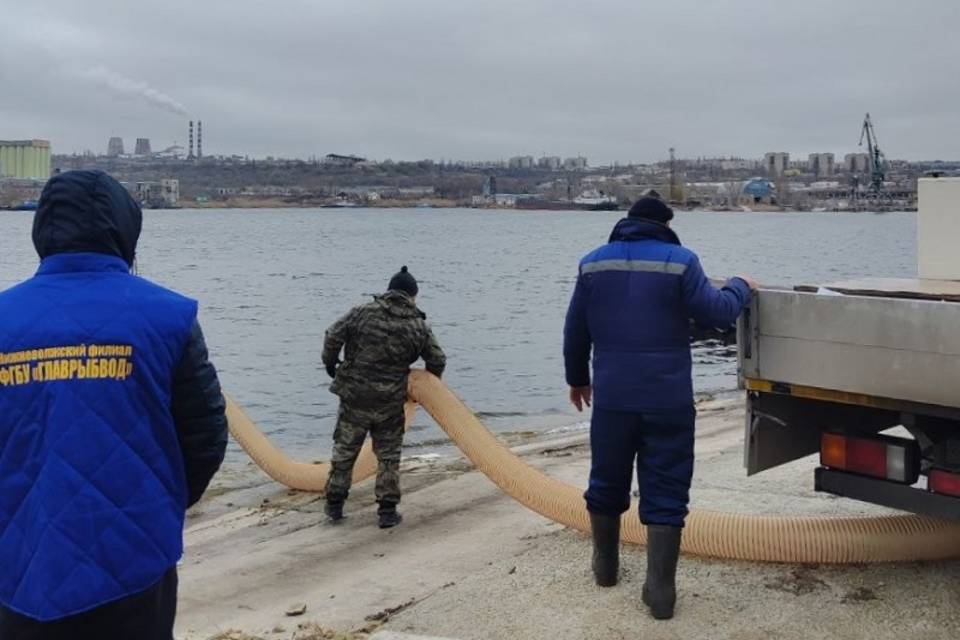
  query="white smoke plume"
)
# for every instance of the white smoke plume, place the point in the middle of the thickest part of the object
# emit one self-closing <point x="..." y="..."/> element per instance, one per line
<point x="134" y="89"/>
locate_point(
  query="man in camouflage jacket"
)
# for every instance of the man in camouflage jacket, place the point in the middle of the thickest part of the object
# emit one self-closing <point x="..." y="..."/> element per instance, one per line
<point x="380" y="341"/>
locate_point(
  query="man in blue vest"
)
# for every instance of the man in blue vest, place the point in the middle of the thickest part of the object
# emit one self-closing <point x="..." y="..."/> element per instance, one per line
<point x="111" y="424"/>
<point x="632" y="306"/>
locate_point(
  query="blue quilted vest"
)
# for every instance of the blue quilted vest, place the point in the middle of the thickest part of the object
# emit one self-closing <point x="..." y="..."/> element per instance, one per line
<point x="92" y="485"/>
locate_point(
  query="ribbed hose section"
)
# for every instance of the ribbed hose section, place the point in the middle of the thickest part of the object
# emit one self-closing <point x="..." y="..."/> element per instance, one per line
<point x="708" y="533"/>
<point x="275" y="463"/>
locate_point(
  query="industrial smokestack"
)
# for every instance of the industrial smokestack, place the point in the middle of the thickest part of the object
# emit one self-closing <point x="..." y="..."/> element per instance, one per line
<point x="190" y="153"/>
<point x="199" y="139"/>
<point x="115" y="147"/>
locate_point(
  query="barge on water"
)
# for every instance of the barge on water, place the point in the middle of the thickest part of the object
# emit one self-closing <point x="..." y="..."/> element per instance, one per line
<point x="539" y="204"/>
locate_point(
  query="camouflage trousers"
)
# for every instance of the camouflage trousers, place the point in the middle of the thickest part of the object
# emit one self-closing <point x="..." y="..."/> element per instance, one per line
<point x="386" y="430"/>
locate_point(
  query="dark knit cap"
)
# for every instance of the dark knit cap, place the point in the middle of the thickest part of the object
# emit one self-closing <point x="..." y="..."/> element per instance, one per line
<point x="404" y="281"/>
<point x="651" y="209"/>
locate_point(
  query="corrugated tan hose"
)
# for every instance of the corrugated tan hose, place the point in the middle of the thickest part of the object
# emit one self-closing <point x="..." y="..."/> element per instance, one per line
<point x="708" y="533"/>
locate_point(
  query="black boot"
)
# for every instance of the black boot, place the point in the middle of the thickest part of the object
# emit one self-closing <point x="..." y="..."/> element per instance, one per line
<point x="606" y="548"/>
<point x="660" y="589"/>
<point x="334" y="511"/>
<point x="388" y="516"/>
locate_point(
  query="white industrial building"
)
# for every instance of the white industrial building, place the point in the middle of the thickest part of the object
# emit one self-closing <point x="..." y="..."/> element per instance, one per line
<point x="856" y="162"/>
<point x="821" y="164"/>
<point x="776" y="163"/>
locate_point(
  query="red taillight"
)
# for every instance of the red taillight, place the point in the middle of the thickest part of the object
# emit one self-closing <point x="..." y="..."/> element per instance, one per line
<point x="941" y="481"/>
<point x="868" y="457"/>
<point x="880" y="457"/>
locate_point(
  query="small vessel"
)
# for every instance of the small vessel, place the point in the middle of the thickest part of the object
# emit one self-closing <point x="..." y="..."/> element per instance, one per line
<point x="26" y="205"/>
<point x="593" y="200"/>
<point x="340" y="204"/>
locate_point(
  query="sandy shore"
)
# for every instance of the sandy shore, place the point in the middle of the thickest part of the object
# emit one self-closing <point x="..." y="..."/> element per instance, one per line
<point x="468" y="562"/>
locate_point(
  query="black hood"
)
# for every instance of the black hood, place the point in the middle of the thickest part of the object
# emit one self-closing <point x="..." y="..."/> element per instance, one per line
<point x="642" y="229"/>
<point x="86" y="211"/>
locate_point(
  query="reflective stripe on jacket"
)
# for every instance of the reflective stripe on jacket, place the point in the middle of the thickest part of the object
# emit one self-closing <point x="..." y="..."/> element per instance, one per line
<point x="632" y="306"/>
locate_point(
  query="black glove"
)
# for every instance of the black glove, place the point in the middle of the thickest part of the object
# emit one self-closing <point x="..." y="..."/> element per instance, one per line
<point x="332" y="368"/>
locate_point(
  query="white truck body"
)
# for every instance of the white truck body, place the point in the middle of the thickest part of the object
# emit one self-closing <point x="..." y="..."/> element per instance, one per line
<point x="861" y="357"/>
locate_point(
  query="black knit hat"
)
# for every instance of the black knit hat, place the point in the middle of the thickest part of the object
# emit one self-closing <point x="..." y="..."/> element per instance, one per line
<point x="404" y="281"/>
<point x="651" y="209"/>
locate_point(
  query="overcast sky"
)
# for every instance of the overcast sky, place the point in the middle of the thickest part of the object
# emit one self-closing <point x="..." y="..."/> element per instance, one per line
<point x="612" y="80"/>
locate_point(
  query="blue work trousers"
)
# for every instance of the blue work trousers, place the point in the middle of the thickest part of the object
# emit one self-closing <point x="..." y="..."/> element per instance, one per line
<point x="661" y="444"/>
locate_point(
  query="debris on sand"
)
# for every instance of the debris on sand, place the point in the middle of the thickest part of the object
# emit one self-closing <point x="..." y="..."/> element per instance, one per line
<point x="305" y="631"/>
<point x="297" y="609"/>
<point x="799" y="582"/>
<point x="860" y="594"/>
<point x="234" y="634"/>
<point x="313" y="631"/>
<point x="383" y="616"/>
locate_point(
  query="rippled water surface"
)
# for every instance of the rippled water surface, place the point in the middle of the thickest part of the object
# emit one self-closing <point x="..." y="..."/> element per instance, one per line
<point x="495" y="285"/>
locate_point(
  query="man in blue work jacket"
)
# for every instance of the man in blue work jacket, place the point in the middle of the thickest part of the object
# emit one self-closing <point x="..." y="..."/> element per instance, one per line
<point x="111" y="424"/>
<point x="632" y="306"/>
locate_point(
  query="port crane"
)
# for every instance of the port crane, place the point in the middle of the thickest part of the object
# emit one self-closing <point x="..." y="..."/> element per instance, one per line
<point x="873" y="151"/>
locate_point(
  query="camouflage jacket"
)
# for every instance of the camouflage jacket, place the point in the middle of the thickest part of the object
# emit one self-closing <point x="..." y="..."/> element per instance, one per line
<point x="380" y="341"/>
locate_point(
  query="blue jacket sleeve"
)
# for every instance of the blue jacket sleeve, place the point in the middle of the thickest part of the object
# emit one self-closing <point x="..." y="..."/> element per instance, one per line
<point x="576" y="338"/>
<point x="711" y="307"/>
<point x="198" y="411"/>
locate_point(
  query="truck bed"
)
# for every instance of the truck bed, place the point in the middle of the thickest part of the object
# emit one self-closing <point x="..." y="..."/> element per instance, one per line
<point x="914" y="288"/>
<point x="891" y="339"/>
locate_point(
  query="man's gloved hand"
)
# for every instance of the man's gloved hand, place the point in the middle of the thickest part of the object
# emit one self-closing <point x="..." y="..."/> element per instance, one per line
<point x="332" y="368"/>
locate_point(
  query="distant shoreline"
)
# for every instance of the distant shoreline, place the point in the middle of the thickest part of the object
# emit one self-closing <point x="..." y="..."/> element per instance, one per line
<point x="288" y="203"/>
<point x="280" y="203"/>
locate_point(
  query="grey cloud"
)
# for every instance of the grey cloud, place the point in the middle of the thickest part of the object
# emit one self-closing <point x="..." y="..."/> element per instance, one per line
<point x="614" y="80"/>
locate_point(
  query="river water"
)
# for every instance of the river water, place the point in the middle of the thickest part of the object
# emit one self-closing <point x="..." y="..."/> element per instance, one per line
<point x="495" y="285"/>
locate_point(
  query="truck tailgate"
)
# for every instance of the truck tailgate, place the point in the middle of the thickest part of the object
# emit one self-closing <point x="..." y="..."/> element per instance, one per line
<point x="887" y="347"/>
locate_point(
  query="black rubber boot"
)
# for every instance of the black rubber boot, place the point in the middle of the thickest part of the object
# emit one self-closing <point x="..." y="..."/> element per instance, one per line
<point x="334" y="511"/>
<point x="660" y="589"/>
<point x="606" y="548"/>
<point x="388" y="516"/>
